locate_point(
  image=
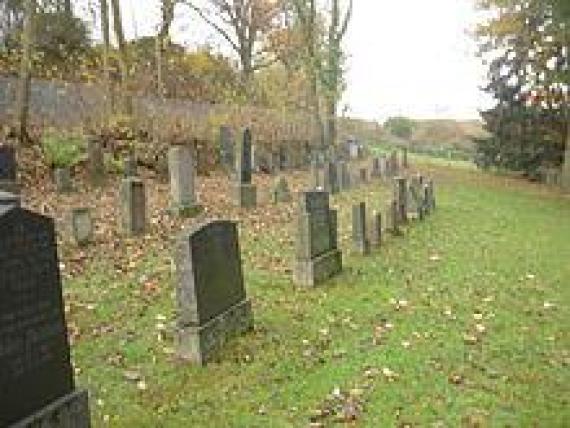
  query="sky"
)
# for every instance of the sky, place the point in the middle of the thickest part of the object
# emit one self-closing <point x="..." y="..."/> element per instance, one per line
<point x="413" y="58"/>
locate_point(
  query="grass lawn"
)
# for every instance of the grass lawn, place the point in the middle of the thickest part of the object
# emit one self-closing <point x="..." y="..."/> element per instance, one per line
<point x="462" y="321"/>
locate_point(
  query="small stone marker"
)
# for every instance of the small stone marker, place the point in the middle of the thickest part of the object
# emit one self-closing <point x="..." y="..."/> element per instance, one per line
<point x="394" y="167"/>
<point x="405" y="158"/>
<point x="95" y="161"/>
<point x="245" y="192"/>
<point x="133" y="206"/>
<point x="392" y="214"/>
<point x="317" y="255"/>
<point x="363" y="175"/>
<point x="81" y="226"/>
<point x="401" y="197"/>
<point x="8" y="169"/>
<point x="212" y="302"/>
<point x="36" y="377"/>
<point x="359" y="236"/>
<point x="181" y="171"/>
<point x="62" y="178"/>
<point x="314" y="183"/>
<point x="383" y="164"/>
<point x="431" y="191"/>
<point x="280" y="192"/>
<point x="343" y="176"/>
<point x="376" y="230"/>
<point x="416" y="202"/>
<point x="227" y="150"/>
<point x="375" y="170"/>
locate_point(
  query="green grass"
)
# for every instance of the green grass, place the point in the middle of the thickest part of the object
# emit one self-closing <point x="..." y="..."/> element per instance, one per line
<point x="492" y="250"/>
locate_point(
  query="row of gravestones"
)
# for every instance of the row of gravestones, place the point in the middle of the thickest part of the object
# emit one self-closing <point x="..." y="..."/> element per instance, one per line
<point x="35" y="369"/>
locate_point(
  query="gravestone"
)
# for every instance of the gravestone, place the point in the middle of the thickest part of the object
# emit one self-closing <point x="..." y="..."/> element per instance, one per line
<point x="394" y="167"/>
<point x="431" y="204"/>
<point x="317" y="256"/>
<point x="227" y="155"/>
<point x="415" y="197"/>
<point x="212" y="302"/>
<point x="182" y="174"/>
<point x="376" y="230"/>
<point x="343" y="175"/>
<point x="359" y="236"/>
<point x="245" y="193"/>
<point x="362" y="175"/>
<point x="133" y="206"/>
<point x="329" y="179"/>
<point x="81" y="225"/>
<point x="62" y="178"/>
<point x="314" y="183"/>
<point x="8" y="169"/>
<point x="392" y="214"/>
<point x="383" y="165"/>
<point x="401" y="197"/>
<point x="280" y="192"/>
<point x="375" y="170"/>
<point x="405" y="158"/>
<point x="95" y="161"/>
<point x="36" y="378"/>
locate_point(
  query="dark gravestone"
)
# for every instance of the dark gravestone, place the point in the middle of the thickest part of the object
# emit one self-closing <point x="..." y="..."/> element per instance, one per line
<point x="330" y="178"/>
<point x="8" y="169"/>
<point x="227" y="158"/>
<point x="36" y="378"/>
<point x="211" y="296"/>
<point x="359" y="236"/>
<point x="245" y="192"/>
<point x="317" y="254"/>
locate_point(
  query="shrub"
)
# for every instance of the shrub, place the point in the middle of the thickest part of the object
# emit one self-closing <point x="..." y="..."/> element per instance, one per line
<point x="62" y="150"/>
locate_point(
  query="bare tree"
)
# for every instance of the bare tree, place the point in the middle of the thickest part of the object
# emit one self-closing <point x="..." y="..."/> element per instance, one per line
<point x="26" y="70"/>
<point x="123" y="56"/>
<point x="242" y="23"/>
<point x="167" y="12"/>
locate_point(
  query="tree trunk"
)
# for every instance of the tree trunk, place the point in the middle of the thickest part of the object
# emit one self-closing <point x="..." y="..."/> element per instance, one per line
<point x="126" y="105"/>
<point x="26" y="70"/>
<point x="106" y="47"/>
<point x="167" y="18"/>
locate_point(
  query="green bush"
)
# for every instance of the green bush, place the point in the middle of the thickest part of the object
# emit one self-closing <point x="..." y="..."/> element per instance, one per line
<point x="62" y="150"/>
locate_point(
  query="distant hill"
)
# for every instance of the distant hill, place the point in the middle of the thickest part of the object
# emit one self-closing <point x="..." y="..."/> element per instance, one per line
<point x="446" y="133"/>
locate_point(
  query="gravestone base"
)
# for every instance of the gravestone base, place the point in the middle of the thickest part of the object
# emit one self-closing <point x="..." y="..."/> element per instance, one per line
<point x="69" y="411"/>
<point x="245" y="195"/>
<point x="310" y="273"/>
<point x="200" y="344"/>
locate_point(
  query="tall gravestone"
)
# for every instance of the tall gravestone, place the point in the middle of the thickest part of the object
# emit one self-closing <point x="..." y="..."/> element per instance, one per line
<point x="280" y="191"/>
<point x="415" y="197"/>
<point x="211" y="297"/>
<point x="401" y="197"/>
<point x="95" y="160"/>
<point x="405" y="158"/>
<point x="314" y="178"/>
<point x="182" y="175"/>
<point x="36" y="379"/>
<point x="317" y="256"/>
<point x="375" y="169"/>
<point x="376" y="230"/>
<point x="392" y="215"/>
<point x="343" y="175"/>
<point x="130" y="165"/>
<point x="245" y="193"/>
<point x="227" y="150"/>
<point x="384" y="173"/>
<point x="8" y="169"/>
<point x="133" y="206"/>
<point x="359" y="236"/>
<point x="329" y="179"/>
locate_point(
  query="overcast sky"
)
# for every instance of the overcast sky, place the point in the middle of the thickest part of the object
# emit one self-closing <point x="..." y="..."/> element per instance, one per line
<point x="405" y="57"/>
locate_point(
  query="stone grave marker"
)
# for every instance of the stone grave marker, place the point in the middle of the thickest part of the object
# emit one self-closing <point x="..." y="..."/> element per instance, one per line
<point x="62" y="178"/>
<point x="401" y="197"/>
<point x="133" y="206"/>
<point x="317" y="256"/>
<point x="81" y="226"/>
<point x="95" y="161"/>
<point x="182" y="174"/>
<point x="392" y="214"/>
<point x="359" y="235"/>
<point x="314" y="175"/>
<point x="227" y="150"/>
<point x="245" y="193"/>
<point x="130" y="166"/>
<point x="405" y="158"/>
<point x="211" y="297"/>
<point x="280" y="192"/>
<point x="376" y="230"/>
<point x="363" y="175"/>
<point x="329" y="179"/>
<point x="8" y="169"/>
<point x="36" y="378"/>
<point x="343" y="175"/>
<point x="415" y="198"/>
<point x="375" y="170"/>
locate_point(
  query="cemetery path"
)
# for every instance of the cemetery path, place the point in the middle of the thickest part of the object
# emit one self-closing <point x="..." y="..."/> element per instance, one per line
<point x="461" y="321"/>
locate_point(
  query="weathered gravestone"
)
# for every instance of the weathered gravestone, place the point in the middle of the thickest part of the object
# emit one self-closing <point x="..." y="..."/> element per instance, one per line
<point x="401" y="198"/>
<point x="314" y="178"/>
<point x="405" y="158"/>
<point x="375" y="170"/>
<point x="317" y="255"/>
<point x="212" y="301"/>
<point x="376" y="230"/>
<point x="95" y="160"/>
<point x="227" y="155"/>
<point x="429" y="197"/>
<point x="133" y="206"/>
<point x="383" y="164"/>
<point x="359" y="236"/>
<point x="363" y="175"/>
<point x="245" y="193"/>
<point x="392" y="214"/>
<point x="36" y="378"/>
<point x="415" y="197"/>
<point x="81" y="225"/>
<point x="8" y="167"/>
<point x="280" y="191"/>
<point x="182" y="173"/>
<point x="329" y="179"/>
<point x="62" y="178"/>
<point x="130" y="165"/>
<point x="343" y="175"/>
